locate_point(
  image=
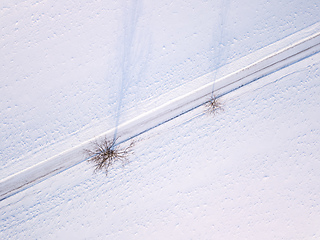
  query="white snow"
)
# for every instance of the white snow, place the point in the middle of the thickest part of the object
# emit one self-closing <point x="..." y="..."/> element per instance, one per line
<point x="250" y="172"/>
<point x="174" y="108"/>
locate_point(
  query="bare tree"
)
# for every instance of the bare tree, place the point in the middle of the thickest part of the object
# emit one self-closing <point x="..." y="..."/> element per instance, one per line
<point x="106" y="153"/>
<point x="213" y="106"/>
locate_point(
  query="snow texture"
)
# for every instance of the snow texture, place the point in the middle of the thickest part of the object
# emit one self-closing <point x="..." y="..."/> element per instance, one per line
<point x="250" y="172"/>
<point x="62" y="63"/>
<point x="174" y="108"/>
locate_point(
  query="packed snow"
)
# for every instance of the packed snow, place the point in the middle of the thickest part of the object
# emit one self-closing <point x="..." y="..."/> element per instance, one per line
<point x="70" y="71"/>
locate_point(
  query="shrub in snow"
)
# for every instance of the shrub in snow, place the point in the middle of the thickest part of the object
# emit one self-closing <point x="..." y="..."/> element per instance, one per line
<point x="213" y="106"/>
<point x="106" y="153"/>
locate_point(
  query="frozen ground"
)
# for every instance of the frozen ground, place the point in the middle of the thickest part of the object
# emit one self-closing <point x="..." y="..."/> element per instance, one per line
<point x="249" y="173"/>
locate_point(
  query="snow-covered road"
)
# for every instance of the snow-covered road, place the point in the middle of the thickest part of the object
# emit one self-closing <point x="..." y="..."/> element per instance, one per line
<point x="251" y="172"/>
<point x="61" y="62"/>
<point x="274" y="61"/>
<point x="72" y="70"/>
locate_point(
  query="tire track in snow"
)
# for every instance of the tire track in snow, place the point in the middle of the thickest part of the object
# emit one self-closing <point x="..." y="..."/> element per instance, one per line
<point x="307" y="43"/>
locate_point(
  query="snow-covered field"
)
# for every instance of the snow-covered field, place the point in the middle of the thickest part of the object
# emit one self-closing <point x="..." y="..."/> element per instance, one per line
<point x="250" y="172"/>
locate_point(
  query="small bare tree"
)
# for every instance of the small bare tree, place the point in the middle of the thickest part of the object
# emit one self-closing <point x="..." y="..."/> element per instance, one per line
<point x="213" y="106"/>
<point x="106" y="153"/>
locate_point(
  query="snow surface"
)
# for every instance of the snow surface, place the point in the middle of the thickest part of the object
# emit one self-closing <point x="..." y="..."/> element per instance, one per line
<point x="300" y="45"/>
<point x="249" y="173"/>
<point x="66" y="65"/>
